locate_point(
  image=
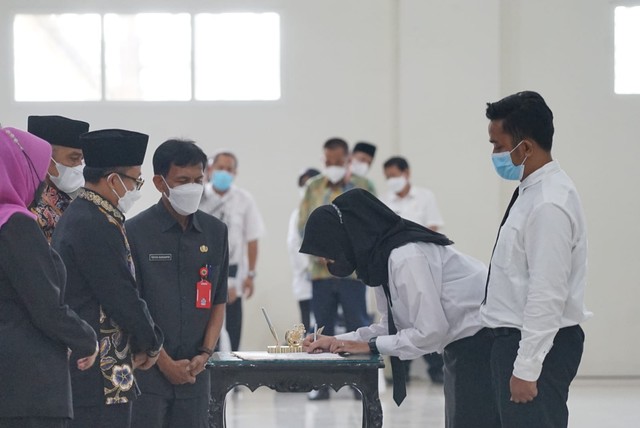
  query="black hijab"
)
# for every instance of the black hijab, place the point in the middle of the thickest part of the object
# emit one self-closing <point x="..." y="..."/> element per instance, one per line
<point x="359" y="232"/>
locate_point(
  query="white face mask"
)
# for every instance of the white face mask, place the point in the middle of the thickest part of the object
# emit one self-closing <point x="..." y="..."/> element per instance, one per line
<point x="130" y="197"/>
<point x="396" y="184"/>
<point x="69" y="179"/>
<point x="185" y="199"/>
<point x="359" y="168"/>
<point x="335" y="174"/>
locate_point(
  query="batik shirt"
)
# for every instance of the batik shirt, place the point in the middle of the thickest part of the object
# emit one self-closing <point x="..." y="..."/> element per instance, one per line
<point x="49" y="208"/>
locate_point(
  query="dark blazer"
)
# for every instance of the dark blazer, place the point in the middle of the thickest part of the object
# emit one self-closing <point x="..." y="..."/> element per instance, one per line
<point x="35" y="327"/>
<point x="94" y="252"/>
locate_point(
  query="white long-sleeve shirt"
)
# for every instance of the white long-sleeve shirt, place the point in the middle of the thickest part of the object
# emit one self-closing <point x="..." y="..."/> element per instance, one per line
<point x="538" y="269"/>
<point x="436" y="293"/>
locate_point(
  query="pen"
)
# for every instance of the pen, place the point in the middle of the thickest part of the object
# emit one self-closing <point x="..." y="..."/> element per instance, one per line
<point x="273" y="330"/>
<point x="315" y="332"/>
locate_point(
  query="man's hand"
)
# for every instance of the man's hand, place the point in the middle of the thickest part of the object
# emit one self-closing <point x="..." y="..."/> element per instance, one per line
<point x="177" y="372"/>
<point x="142" y="361"/>
<point x="522" y="391"/>
<point x="247" y="287"/>
<point x="86" y="362"/>
<point x="232" y="294"/>
<point x="196" y="366"/>
<point x="350" y="346"/>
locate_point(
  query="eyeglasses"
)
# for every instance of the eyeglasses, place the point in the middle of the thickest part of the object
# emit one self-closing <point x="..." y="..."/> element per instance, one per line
<point x="139" y="181"/>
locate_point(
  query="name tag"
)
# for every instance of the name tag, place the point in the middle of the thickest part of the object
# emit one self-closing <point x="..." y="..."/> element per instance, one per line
<point x="160" y="257"/>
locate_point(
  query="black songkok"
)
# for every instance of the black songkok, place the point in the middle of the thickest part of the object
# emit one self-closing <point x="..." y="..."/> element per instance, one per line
<point x="58" y="130"/>
<point x="108" y="148"/>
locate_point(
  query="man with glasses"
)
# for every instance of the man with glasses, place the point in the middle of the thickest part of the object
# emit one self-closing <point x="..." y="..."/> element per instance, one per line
<point x="64" y="176"/>
<point x="101" y="283"/>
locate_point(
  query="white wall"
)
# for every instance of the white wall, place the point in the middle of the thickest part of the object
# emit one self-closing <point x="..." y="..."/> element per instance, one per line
<point x="412" y="76"/>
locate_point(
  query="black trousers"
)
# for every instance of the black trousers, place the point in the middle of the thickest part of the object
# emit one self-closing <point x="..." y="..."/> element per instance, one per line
<point x="549" y="408"/>
<point x="469" y="402"/>
<point x="348" y="293"/>
<point x="155" y="411"/>
<point x="305" y="314"/>
<point x="234" y="323"/>
<point x="34" y="422"/>
<point x="102" y="416"/>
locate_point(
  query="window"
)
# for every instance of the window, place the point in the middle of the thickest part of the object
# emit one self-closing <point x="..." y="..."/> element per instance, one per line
<point x="627" y="50"/>
<point x="147" y="57"/>
<point x="57" y="57"/>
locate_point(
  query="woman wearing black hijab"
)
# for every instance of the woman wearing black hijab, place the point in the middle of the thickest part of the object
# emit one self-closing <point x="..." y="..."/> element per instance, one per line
<point x="432" y="290"/>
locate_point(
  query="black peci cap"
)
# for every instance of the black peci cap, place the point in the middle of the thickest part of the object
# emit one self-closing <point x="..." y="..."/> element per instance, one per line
<point x="108" y="148"/>
<point x="365" y="147"/>
<point x="58" y="130"/>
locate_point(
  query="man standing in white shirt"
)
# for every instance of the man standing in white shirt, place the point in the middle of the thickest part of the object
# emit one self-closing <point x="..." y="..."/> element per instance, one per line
<point x="534" y="297"/>
<point x="237" y="209"/>
<point x="408" y="201"/>
<point x="418" y="205"/>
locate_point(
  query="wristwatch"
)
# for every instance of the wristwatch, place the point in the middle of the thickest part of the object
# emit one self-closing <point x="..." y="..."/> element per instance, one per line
<point x="372" y="346"/>
<point x="251" y="274"/>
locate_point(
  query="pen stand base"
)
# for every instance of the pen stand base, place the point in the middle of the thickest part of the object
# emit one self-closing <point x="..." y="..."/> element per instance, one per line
<point x="283" y="349"/>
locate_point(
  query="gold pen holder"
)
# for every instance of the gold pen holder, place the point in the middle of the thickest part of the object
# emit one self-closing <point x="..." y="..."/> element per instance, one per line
<point x="294" y="338"/>
<point x="283" y="349"/>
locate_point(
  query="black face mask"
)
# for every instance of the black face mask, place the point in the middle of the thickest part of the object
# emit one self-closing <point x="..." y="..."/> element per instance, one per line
<point x="341" y="268"/>
<point x="38" y="194"/>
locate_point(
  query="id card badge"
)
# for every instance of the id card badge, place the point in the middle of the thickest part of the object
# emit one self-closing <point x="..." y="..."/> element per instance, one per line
<point x="203" y="290"/>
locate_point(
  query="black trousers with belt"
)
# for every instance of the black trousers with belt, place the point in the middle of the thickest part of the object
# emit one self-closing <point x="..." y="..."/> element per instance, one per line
<point x="549" y="408"/>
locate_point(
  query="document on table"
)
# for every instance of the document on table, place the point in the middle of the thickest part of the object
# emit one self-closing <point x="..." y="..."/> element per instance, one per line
<point x="292" y="356"/>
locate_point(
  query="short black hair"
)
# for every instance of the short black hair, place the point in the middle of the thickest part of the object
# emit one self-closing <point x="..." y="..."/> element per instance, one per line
<point x="397" y="161"/>
<point x="94" y="175"/>
<point x="307" y="174"/>
<point x="336" y="143"/>
<point x="214" y="158"/>
<point x="524" y="115"/>
<point x="179" y="153"/>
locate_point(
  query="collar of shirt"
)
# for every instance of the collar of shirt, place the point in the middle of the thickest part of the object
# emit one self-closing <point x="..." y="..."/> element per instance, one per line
<point x="167" y="221"/>
<point x="101" y="202"/>
<point x="539" y="174"/>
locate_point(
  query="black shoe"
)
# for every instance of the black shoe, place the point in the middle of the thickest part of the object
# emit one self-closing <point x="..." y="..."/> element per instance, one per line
<point x="319" y="394"/>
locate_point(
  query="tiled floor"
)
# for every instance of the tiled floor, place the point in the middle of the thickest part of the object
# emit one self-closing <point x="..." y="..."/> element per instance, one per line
<point x="603" y="403"/>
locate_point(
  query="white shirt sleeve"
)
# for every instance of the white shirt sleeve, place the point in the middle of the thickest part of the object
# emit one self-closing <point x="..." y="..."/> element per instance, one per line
<point x="422" y="326"/>
<point x="254" y="225"/>
<point x="433" y="218"/>
<point x="548" y="244"/>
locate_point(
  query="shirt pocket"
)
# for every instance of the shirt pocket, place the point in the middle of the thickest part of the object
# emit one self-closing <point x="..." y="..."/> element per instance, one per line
<point x="505" y="247"/>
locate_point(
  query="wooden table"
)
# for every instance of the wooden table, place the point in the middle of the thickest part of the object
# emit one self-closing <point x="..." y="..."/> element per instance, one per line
<point x="359" y="371"/>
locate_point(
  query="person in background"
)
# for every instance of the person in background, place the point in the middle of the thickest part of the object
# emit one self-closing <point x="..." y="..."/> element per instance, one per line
<point x="64" y="176"/>
<point x="534" y="295"/>
<point x="329" y="292"/>
<point x="36" y="328"/>
<point x="301" y="283"/>
<point x="361" y="158"/>
<point x="171" y="244"/>
<point x="236" y="208"/>
<point x="418" y="205"/>
<point x="427" y="292"/>
<point x="101" y="285"/>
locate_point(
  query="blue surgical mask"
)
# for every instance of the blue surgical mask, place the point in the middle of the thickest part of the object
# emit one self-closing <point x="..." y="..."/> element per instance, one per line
<point x="221" y="180"/>
<point x="504" y="165"/>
